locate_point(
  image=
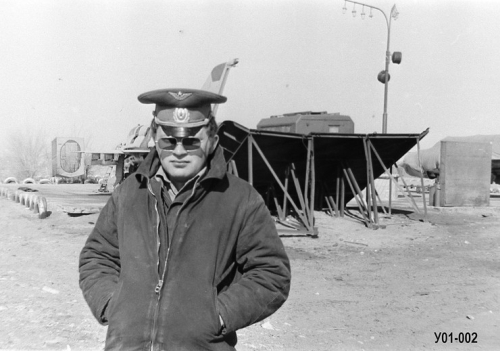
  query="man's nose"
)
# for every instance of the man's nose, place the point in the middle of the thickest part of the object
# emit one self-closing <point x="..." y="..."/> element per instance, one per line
<point x="179" y="149"/>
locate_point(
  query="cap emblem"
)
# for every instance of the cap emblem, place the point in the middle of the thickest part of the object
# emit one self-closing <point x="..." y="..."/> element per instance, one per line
<point x="180" y="95"/>
<point x="181" y="115"/>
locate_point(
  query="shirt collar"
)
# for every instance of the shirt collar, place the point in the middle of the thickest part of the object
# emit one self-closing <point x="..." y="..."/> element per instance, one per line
<point x="162" y="176"/>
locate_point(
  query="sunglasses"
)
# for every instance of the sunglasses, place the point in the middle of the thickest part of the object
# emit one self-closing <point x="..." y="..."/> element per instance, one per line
<point x="188" y="143"/>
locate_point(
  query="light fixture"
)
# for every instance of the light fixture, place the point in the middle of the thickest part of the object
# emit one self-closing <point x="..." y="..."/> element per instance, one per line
<point x="354" y="11"/>
<point x="371" y="13"/>
<point x="363" y="12"/>
<point x="344" y="9"/>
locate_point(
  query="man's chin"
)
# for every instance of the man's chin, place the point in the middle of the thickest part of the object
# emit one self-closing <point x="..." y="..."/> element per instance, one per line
<point x="179" y="177"/>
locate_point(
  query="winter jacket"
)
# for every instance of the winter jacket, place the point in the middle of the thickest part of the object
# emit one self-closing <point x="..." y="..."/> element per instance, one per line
<point x="224" y="258"/>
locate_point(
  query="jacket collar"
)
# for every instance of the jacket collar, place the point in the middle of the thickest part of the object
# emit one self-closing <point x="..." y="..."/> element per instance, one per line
<point x="216" y="166"/>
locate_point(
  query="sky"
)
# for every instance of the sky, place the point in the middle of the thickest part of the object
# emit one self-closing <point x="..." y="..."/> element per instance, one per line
<point x="75" y="68"/>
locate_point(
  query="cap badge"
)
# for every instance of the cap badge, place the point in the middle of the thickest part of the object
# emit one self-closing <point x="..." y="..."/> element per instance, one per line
<point x="180" y="95"/>
<point x="181" y="115"/>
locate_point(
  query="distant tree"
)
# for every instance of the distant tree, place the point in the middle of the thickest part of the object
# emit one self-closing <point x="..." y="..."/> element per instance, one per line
<point x="28" y="154"/>
<point x="5" y="168"/>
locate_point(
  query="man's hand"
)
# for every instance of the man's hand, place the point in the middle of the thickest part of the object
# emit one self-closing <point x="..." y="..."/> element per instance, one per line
<point x="222" y="326"/>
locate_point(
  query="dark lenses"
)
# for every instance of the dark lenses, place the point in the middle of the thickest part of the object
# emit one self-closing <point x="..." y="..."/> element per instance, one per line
<point x="187" y="143"/>
<point x="191" y="143"/>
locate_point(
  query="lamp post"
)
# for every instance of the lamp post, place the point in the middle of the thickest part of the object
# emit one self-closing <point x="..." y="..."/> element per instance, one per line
<point x="383" y="76"/>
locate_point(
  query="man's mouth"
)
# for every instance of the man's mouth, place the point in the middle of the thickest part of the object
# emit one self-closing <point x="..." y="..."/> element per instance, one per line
<point x="179" y="163"/>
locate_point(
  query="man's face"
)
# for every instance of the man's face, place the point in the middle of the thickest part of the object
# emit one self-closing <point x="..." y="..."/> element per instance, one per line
<point x="180" y="164"/>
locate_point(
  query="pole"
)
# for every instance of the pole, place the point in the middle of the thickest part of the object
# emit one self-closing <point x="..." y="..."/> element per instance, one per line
<point x="386" y="85"/>
<point x="387" y="55"/>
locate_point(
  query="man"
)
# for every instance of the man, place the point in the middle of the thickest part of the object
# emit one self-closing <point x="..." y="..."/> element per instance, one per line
<point x="183" y="254"/>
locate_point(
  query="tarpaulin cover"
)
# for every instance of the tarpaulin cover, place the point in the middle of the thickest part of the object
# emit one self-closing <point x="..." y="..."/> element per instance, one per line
<point x="332" y="154"/>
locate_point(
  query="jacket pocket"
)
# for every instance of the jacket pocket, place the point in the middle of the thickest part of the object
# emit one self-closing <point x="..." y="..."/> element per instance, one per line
<point x="108" y="312"/>
<point x="216" y="320"/>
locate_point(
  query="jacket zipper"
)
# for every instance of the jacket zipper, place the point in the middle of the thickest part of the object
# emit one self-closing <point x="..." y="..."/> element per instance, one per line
<point x="161" y="279"/>
<point x="159" y="285"/>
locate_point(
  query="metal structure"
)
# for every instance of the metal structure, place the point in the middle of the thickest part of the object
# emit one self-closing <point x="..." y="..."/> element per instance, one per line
<point x="384" y="75"/>
<point x="297" y="174"/>
<point x="67" y="157"/>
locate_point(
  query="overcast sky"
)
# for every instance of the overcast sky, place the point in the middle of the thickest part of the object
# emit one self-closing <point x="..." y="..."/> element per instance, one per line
<point x="75" y="68"/>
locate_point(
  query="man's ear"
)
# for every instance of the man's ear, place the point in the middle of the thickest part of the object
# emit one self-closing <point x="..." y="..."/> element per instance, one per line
<point x="152" y="136"/>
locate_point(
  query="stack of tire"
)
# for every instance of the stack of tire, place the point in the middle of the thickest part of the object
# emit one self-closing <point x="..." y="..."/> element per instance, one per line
<point x="31" y="200"/>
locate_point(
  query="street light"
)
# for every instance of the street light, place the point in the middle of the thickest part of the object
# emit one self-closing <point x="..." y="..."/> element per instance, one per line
<point x="383" y="76"/>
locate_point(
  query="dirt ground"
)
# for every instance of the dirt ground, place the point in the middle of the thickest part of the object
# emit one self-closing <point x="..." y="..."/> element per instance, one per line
<point x="353" y="288"/>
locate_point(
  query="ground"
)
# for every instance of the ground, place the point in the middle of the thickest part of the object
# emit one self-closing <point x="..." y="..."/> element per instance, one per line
<point x="353" y="288"/>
